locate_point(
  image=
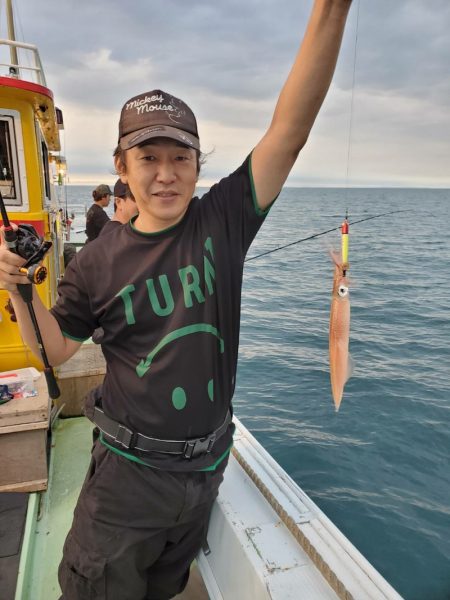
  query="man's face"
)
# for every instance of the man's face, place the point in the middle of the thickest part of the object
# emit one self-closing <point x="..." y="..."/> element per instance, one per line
<point x="162" y="176"/>
<point x="126" y="209"/>
<point x="105" y="200"/>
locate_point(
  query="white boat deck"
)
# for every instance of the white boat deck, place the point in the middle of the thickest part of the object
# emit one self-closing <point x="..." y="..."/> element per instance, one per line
<point x="268" y="540"/>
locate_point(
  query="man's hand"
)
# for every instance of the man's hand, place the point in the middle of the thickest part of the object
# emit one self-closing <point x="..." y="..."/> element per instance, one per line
<point x="9" y="266"/>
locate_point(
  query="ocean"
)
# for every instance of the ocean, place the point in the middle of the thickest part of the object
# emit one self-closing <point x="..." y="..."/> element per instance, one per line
<point x="379" y="468"/>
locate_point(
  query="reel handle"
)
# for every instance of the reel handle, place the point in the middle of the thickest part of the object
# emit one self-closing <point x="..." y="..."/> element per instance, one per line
<point x="37" y="274"/>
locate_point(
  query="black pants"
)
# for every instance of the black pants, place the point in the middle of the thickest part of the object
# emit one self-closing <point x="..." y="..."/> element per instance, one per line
<point x="136" y="530"/>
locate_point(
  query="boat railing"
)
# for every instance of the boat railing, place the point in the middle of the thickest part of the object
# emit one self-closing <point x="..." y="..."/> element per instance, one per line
<point x="18" y="70"/>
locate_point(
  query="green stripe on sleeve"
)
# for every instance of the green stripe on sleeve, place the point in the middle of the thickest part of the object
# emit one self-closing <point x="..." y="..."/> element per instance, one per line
<point x="71" y="337"/>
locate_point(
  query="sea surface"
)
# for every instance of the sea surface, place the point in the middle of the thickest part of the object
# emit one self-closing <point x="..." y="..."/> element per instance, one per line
<point x="380" y="467"/>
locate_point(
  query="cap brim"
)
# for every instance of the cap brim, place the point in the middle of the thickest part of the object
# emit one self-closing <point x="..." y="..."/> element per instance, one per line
<point x="142" y="135"/>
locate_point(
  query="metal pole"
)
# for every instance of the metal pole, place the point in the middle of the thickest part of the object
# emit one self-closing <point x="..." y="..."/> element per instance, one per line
<point x="14" y="71"/>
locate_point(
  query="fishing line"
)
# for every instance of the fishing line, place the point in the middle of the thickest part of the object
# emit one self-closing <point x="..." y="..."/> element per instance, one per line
<point x="352" y="98"/>
<point x="349" y="145"/>
<point x="314" y="235"/>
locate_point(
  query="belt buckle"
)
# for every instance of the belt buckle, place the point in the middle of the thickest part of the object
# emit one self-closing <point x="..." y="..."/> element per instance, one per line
<point x="123" y="436"/>
<point x="199" y="446"/>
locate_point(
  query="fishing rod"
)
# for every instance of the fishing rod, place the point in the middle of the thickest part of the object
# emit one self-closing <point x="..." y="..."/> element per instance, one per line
<point x="314" y="235"/>
<point x="29" y="245"/>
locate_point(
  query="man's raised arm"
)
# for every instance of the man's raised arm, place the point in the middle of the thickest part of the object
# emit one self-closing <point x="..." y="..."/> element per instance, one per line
<point x="300" y="99"/>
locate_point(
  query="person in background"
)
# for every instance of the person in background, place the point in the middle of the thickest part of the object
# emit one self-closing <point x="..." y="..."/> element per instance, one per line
<point x="96" y="216"/>
<point x="69" y="250"/>
<point x="68" y="220"/>
<point x="166" y="288"/>
<point x="124" y="207"/>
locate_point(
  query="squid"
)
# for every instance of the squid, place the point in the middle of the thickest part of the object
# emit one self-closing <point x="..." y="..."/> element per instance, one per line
<point x="341" y="364"/>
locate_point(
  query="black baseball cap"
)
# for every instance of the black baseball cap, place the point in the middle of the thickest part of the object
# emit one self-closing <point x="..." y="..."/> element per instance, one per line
<point x="120" y="189"/>
<point x="102" y="190"/>
<point x="157" y="114"/>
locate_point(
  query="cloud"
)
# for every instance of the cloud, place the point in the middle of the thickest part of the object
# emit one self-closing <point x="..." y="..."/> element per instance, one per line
<point x="98" y="79"/>
<point x="229" y="59"/>
<point x="85" y="132"/>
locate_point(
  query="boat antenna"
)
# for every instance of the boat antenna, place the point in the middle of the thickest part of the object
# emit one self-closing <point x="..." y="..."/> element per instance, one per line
<point x="14" y="67"/>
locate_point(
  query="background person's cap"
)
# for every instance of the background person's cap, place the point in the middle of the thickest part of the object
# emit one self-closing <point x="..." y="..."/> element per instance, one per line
<point x="157" y="114"/>
<point x="120" y="189"/>
<point x="102" y="190"/>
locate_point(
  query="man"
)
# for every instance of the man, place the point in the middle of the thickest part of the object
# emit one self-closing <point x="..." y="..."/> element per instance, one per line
<point x="96" y="216"/>
<point x="124" y="207"/>
<point x="166" y="289"/>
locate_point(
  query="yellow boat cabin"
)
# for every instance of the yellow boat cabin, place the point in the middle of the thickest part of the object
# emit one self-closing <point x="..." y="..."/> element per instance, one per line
<point x="32" y="177"/>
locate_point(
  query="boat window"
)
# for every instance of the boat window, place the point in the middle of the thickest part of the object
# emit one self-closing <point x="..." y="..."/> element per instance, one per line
<point x="8" y="162"/>
<point x="46" y="168"/>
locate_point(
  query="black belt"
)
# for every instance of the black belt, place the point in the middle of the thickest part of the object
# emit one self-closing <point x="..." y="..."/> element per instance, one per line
<point x="131" y="440"/>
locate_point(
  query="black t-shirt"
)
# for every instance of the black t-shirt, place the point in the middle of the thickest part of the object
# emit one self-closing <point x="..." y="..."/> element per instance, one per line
<point x="109" y="226"/>
<point x="169" y="306"/>
<point x="96" y="218"/>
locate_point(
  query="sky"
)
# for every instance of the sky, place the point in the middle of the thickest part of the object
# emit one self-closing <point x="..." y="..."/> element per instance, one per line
<point x="384" y="123"/>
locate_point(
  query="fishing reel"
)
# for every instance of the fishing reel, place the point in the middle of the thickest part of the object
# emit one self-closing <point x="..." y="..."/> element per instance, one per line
<point x="29" y="245"/>
<point x="32" y="247"/>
